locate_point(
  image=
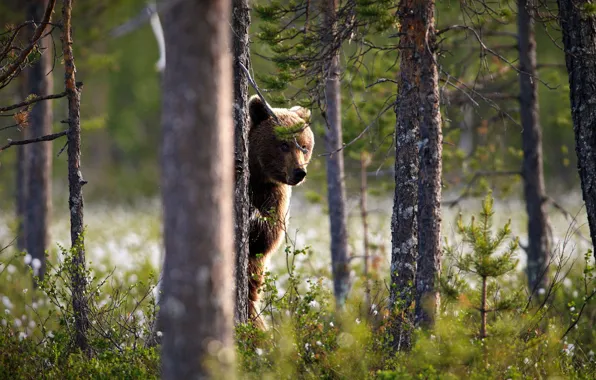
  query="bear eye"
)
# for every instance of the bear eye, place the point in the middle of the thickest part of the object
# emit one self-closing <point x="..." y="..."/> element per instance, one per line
<point x="304" y="148"/>
<point x="285" y="147"/>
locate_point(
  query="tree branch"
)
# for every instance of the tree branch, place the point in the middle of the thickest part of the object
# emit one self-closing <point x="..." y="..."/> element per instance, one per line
<point x="34" y="100"/>
<point x="51" y="137"/>
<point x="12" y="67"/>
<point x="254" y="85"/>
<point x="475" y="178"/>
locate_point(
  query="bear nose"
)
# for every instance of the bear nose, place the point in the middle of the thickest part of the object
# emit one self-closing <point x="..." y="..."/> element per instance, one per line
<point x="299" y="174"/>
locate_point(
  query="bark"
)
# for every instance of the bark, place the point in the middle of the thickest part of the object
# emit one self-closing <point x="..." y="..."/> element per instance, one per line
<point x="336" y="190"/>
<point x="579" y="41"/>
<point x="404" y="223"/>
<point x="75" y="184"/>
<point x="197" y="190"/>
<point x="21" y="176"/>
<point x="532" y="168"/>
<point x="430" y="153"/>
<point x="240" y="25"/>
<point x="416" y="220"/>
<point x="39" y="157"/>
<point x="364" y="162"/>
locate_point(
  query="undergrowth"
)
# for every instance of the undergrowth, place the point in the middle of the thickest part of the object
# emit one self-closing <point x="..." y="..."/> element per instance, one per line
<point x="545" y="334"/>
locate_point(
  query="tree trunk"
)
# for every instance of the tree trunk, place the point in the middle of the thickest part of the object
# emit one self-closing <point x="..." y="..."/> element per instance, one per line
<point x="532" y="168"/>
<point x="336" y="190"/>
<point x="430" y="152"/>
<point x="39" y="157"/>
<point x="240" y="25"/>
<point x="364" y="162"/>
<point x="579" y="41"/>
<point x="404" y="224"/>
<point x="197" y="190"/>
<point x="75" y="184"/>
<point x="21" y="173"/>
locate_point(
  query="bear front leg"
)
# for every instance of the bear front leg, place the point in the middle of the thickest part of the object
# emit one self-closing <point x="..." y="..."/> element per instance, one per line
<point x="255" y="281"/>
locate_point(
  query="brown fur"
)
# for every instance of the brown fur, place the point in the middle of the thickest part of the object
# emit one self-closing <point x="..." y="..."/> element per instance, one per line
<point x="273" y="168"/>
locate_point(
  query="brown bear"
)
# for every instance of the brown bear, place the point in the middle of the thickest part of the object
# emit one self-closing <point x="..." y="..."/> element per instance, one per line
<point x="278" y="156"/>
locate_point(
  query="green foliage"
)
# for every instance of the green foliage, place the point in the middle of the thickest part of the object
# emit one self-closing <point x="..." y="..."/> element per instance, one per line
<point x="307" y="337"/>
<point x="37" y="325"/>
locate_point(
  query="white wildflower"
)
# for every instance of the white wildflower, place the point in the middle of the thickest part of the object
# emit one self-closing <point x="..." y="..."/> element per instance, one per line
<point x="11" y="269"/>
<point x="18" y="323"/>
<point x="527" y="361"/>
<point x="358" y="321"/>
<point x="6" y="302"/>
<point x="35" y="264"/>
<point x="568" y="348"/>
<point x="541" y="291"/>
<point x="25" y="291"/>
<point x="27" y="259"/>
<point x="572" y="309"/>
<point x="22" y="335"/>
<point x="159" y="334"/>
<point x="259" y="351"/>
<point x="319" y="343"/>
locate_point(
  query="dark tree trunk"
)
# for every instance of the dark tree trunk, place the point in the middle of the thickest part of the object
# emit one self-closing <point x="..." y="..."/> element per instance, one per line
<point x="240" y="25"/>
<point x="39" y="155"/>
<point x="532" y="168"/>
<point x="336" y="190"/>
<point x="430" y="153"/>
<point x="21" y="174"/>
<point x="404" y="224"/>
<point x="197" y="188"/>
<point x="579" y="41"/>
<point x="75" y="184"/>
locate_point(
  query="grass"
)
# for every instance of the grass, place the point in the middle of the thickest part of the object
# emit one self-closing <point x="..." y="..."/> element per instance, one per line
<point x="307" y="338"/>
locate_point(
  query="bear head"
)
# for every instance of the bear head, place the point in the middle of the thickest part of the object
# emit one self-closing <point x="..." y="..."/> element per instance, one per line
<point x="279" y="152"/>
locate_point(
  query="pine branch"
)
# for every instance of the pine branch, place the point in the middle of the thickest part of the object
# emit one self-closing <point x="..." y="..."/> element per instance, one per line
<point x="35" y="100"/>
<point x="12" y="67"/>
<point x="51" y="137"/>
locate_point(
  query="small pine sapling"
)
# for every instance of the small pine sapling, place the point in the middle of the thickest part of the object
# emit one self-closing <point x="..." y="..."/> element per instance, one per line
<point x="489" y="260"/>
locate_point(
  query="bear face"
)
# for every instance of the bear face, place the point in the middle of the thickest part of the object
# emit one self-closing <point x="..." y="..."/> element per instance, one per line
<point x="279" y="154"/>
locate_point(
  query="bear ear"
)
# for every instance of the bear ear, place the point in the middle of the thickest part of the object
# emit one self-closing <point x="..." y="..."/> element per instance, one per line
<point x="257" y="110"/>
<point x="304" y="113"/>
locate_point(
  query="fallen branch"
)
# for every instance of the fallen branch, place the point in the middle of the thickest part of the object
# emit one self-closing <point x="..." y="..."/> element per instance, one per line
<point x="51" y="137"/>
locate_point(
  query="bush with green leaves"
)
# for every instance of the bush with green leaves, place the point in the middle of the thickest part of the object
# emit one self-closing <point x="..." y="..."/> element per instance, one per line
<point x="37" y="324"/>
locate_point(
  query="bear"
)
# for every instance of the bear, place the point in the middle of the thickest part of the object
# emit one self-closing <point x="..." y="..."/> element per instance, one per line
<point x="278" y="157"/>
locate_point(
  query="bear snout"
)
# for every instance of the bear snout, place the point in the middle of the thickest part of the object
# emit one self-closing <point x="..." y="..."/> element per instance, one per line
<point x="298" y="175"/>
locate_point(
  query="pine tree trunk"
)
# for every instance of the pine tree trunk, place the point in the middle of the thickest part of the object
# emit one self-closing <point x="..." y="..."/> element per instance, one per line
<point x="430" y="153"/>
<point x="21" y="173"/>
<point x="39" y="157"/>
<point x="404" y="223"/>
<point x="75" y="184"/>
<point x="336" y="190"/>
<point x="240" y="25"/>
<point x="532" y="167"/>
<point x="197" y="189"/>
<point x="579" y="41"/>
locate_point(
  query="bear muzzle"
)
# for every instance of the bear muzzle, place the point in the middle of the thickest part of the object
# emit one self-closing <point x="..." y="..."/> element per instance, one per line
<point x="298" y="176"/>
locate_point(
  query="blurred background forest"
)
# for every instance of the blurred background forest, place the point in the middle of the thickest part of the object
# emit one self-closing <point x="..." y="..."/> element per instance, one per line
<point x="120" y="109"/>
